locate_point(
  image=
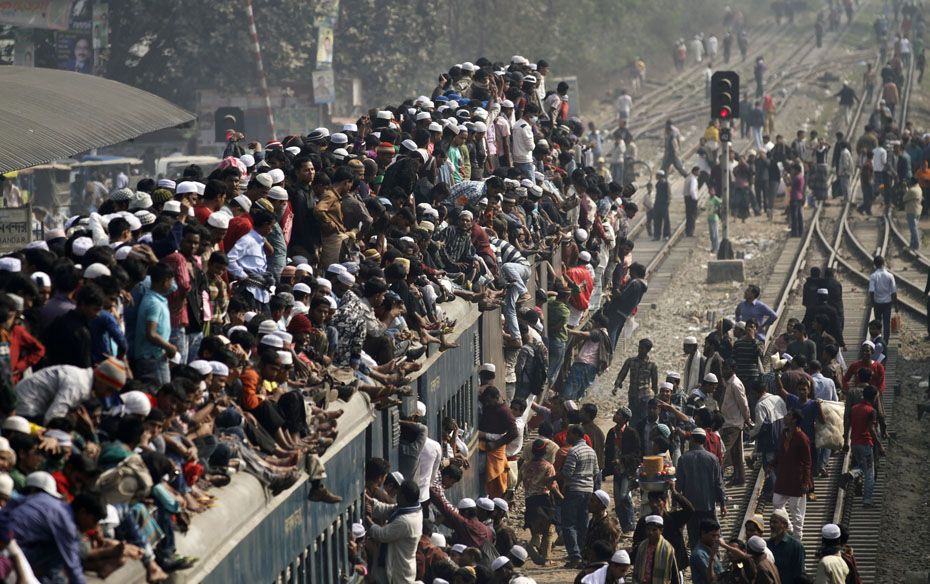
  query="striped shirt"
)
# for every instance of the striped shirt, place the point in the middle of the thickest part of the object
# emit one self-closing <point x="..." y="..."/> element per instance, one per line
<point x="746" y="354"/>
<point x="580" y="468"/>
<point x="507" y="252"/>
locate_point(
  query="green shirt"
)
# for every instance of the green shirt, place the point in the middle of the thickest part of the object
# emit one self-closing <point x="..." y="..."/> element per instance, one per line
<point x="713" y="208"/>
<point x="558" y="320"/>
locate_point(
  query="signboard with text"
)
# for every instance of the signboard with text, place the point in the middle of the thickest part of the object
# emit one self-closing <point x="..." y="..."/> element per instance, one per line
<point x="15" y="228"/>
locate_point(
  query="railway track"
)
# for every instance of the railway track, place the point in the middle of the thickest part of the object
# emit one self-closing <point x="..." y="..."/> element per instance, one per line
<point x="831" y="228"/>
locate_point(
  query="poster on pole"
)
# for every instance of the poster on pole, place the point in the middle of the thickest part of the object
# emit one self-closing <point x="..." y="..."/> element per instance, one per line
<point x="47" y="14"/>
<point x="324" y="47"/>
<point x="74" y="49"/>
<point x="324" y="86"/>
<point x="100" y="38"/>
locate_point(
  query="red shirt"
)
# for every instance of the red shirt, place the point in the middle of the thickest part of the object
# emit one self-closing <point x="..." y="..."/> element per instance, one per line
<point x="714" y="445"/>
<point x="202" y="213"/>
<point x="793" y="464"/>
<point x="860" y="422"/>
<point x="877" y="379"/>
<point x="238" y="226"/>
<point x="581" y="277"/>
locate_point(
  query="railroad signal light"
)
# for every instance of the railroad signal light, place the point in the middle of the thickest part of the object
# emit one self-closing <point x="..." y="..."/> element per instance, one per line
<point x="724" y="95"/>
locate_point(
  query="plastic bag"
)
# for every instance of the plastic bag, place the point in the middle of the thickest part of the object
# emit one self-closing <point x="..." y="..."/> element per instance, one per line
<point x="829" y="433"/>
<point x="629" y="327"/>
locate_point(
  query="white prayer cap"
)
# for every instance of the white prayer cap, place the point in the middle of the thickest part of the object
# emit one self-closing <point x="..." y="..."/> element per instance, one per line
<point x="12" y="264"/>
<point x="603" y="497"/>
<point x="37" y="244"/>
<point x="95" y="271"/>
<point x="581" y="235"/>
<point x="264" y="179"/>
<point x="438" y="540"/>
<point x="302" y="288"/>
<point x="324" y="283"/>
<point x="277" y="193"/>
<point x="6" y="485"/>
<point x="80" y="246"/>
<point x="384" y="115"/>
<point x="267" y="327"/>
<point x="171" y="207"/>
<point x="869" y="344"/>
<point x="277" y="175"/>
<point x="468" y="66"/>
<point x="185" y="187"/>
<point x="339" y="138"/>
<point x="485" y="503"/>
<point x="219" y="368"/>
<point x="202" y="367"/>
<point x="466" y="503"/>
<point x="44" y="482"/>
<point x="284" y="335"/>
<point x="830" y="531"/>
<point x="305" y="267"/>
<point x="166" y="183"/>
<point x="823" y="291"/>
<point x="286" y="357"/>
<point x="507" y="104"/>
<point x="424" y="116"/>
<point x="141" y="201"/>
<point x="272" y="341"/>
<point x="499" y="563"/>
<point x="336" y="269"/>
<point x="655" y="520"/>
<point x="501" y="504"/>
<point x="519" y="552"/>
<point x="488" y="368"/>
<point x="350" y="128"/>
<point x="219" y="220"/>
<point x="409" y="145"/>
<point x="41" y="279"/>
<point x="346" y="278"/>
<point x="756" y="544"/>
<point x="672" y="375"/>
<point x="421" y="409"/>
<point x="690" y="341"/>
<point x="620" y="557"/>
<point x="459" y="548"/>
<point x="665" y="385"/>
<point x="584" y="256"/>
<point x="292" y="150"/>
<point x="435" y="127"/>
<point x="358" y="531"/>
<point x="243" y="201"/>
<point x="17" y="424"/>
<point x="710" y="378"/>
<point x="248" y="160"/>
<point x="145" y="217"/>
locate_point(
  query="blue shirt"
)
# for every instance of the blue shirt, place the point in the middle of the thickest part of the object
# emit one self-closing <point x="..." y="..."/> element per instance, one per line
<point x="700" y="560"/>
<point x="248" y="257"/>
<point x="810" y="411"/>
<point x="45" y="530"/>
<point x="153" y="308"/>
<point x="759" y="312"/>
<point x="106" y="336"/>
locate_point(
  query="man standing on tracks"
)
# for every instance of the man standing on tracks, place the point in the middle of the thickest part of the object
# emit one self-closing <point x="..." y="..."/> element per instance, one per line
<point x="661" y="222"/>
<point x="672" y="156"/>
<point x="700" y="480"/>
<point x="864" y="440"/>
<point x="736" y="417"/>
<point x="759" y="73"/>
<point x="691" y="200"/>
<point x="883" y="295"/>
<point x="796" y="201"/>
<point x="848" y="98"/>
<point x="577" y="479"/>
<point x="787" y="549"/>
<point x="624" y="108"/>
<point x="793" y="471"/>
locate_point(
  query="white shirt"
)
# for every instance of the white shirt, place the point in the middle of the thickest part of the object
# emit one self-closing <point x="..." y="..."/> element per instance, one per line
<point x="523" y="142"/>
<point x="769" y="410"/>
<point x="905" y="46"/>
<point x="248" y="256"/>
<point x="625" y="104"/>
<point x="691" y="187"/>
<point x="427" y="466"/>
<point x="882" y="285"/>
<point x="879" y="159"/>
<point x="824" y="388"/>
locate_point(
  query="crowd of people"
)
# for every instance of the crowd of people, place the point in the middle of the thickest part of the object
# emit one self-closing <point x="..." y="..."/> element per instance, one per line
<point x="187" y="329"/>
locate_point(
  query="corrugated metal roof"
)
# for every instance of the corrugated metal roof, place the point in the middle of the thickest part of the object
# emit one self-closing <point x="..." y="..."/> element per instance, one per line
<point x="47" y="114"/>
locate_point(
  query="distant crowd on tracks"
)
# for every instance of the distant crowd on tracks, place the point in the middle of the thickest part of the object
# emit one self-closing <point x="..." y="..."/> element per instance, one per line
<point x="193" y="326"/>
